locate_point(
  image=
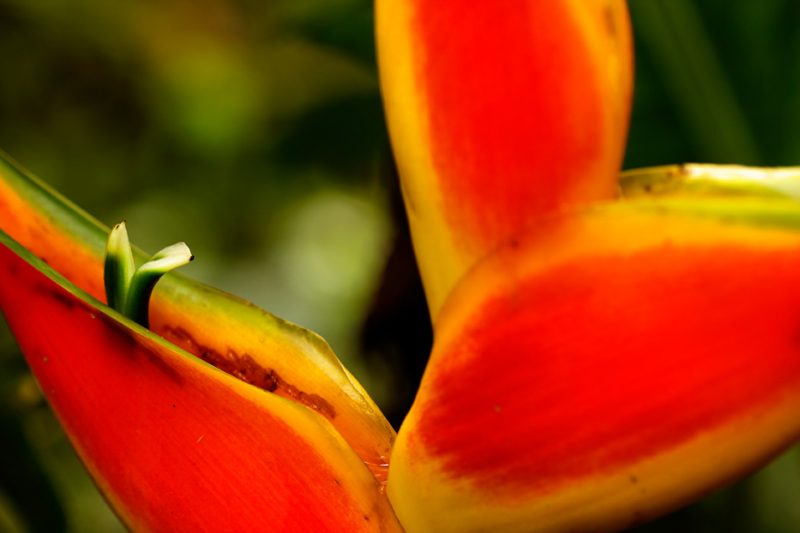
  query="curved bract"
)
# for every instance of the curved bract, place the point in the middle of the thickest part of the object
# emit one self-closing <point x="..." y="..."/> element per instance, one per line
<point x="499" y="112"/>
<point x="606" y="367"/>
<point x="175" y="444"/>
<point x="223" y="330"/>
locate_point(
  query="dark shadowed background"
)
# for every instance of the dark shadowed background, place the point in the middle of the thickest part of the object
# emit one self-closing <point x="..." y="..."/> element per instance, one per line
<point x="253" y="130"/>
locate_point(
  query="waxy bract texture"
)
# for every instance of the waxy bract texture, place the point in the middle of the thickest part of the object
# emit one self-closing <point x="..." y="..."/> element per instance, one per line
<point x="498" y="113"/>
<point x="225" y="331"/>
<point x="603" y="369"/>
<point x="175" y="444"/>
<point x="596" y="363"/>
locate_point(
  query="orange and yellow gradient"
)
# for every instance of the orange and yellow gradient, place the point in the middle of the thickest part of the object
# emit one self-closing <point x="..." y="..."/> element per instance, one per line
<point x="596" y="362"/>
<point x="225" y="331"/>
<point x="173" y="443"/>
<point x="497" y="114"/>
<point x="603" y="369"/>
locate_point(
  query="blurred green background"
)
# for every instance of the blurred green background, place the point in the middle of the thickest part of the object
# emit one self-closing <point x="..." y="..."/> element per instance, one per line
<point x="253" y="130"/>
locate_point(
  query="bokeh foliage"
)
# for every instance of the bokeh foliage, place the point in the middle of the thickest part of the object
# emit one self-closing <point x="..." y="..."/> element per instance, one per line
<point x="253" y="130"/>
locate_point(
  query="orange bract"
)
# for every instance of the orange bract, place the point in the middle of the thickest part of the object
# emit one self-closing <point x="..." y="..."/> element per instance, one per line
<point x="601" y="370"/>
<point x="224" y="331"/>
<point x="175" y="444"/>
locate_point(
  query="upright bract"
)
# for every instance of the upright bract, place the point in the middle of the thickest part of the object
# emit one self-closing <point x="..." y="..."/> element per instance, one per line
<point x="498" y="112"/>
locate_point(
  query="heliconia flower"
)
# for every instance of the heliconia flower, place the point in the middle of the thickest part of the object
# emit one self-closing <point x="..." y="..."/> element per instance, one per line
<point x="499" y="112"/>
<point x="604" y="351"/>
<point x="593" y="366"/>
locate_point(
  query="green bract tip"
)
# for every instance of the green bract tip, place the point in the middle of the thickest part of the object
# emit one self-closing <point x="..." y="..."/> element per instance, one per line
<point x="128" y="289"/>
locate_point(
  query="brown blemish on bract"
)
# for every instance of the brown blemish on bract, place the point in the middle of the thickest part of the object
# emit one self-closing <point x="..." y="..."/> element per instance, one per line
<point x="245" y="368"/>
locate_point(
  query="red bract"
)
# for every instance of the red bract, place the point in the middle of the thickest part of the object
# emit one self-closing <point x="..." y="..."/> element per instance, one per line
<point x="597" y="361"/>
<point x="588" y="376"/>
<point x="174" y="444"/>
<point x="498" y="114"/>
